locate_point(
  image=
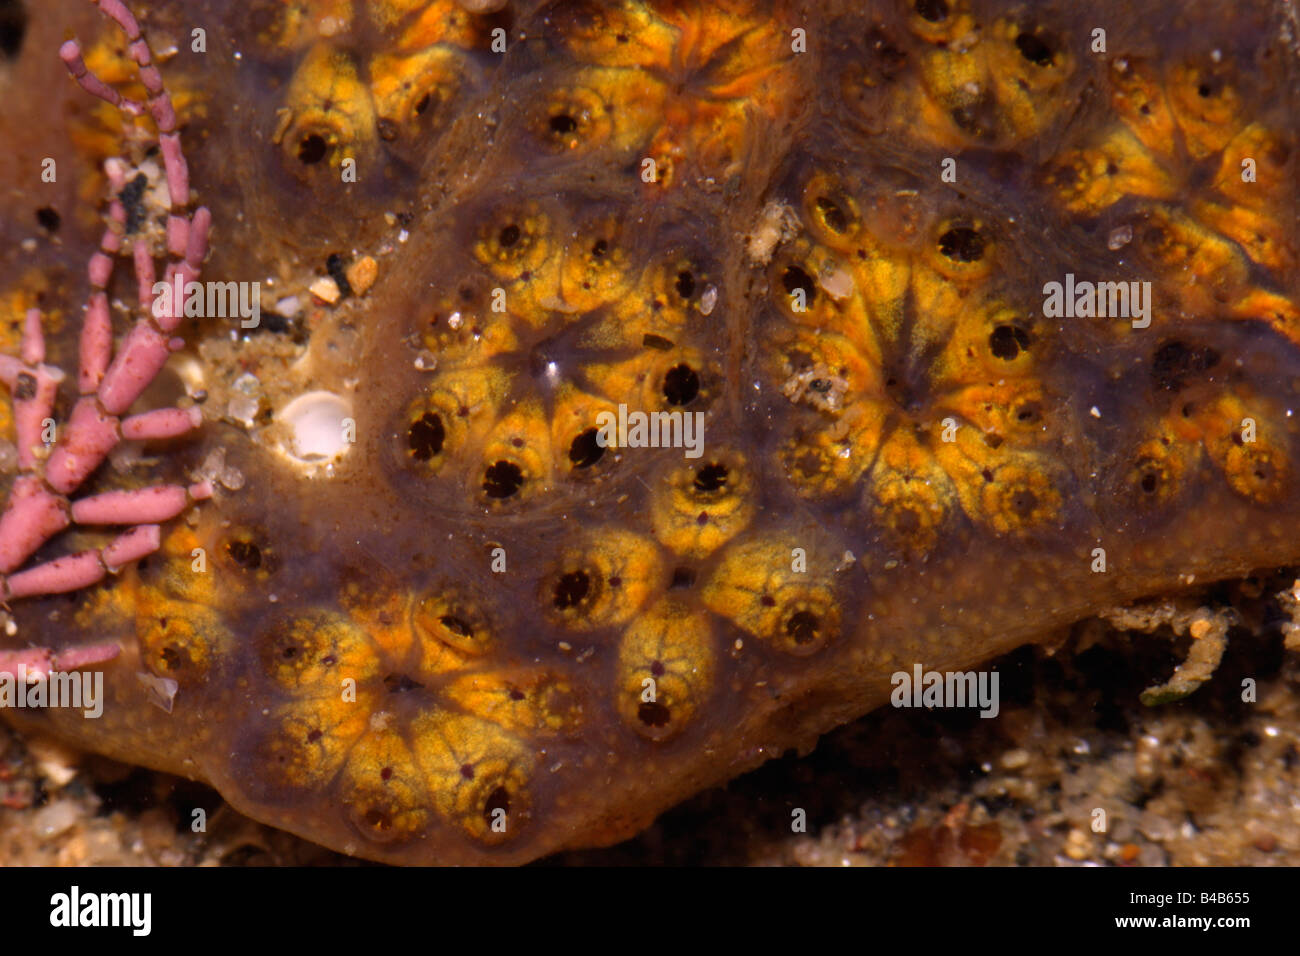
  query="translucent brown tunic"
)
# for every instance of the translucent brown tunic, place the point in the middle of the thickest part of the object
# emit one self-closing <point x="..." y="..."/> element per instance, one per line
<point x="481" y="635"/>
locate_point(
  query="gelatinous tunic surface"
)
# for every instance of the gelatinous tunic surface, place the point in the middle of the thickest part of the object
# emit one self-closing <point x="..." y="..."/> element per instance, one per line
<point x="824" y="233"/>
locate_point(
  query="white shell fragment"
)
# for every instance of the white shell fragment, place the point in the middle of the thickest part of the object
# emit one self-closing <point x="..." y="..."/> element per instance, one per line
<point x="318" y="424"/>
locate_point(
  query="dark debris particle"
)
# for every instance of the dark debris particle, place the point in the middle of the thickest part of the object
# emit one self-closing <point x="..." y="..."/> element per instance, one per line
<point x="275" y="323"/>
<point x="13" y="27"/>
<point x="132" y="199"/>
<point x="657" y="342"/>
<point x="336" y="266"/>
<point x="26" y="388"/>
<point x="48" y="218"/>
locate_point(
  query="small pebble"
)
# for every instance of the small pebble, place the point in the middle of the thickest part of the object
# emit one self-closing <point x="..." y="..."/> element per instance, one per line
<point x="708" y="300"/>
<point x="1076" y="845"/>
<point x="1265" y="843"/>
<point x="361" y="274"/>
<point x="55" y="818"/>
<point x="325" y="289"/>
<point x="1015" y="759"/>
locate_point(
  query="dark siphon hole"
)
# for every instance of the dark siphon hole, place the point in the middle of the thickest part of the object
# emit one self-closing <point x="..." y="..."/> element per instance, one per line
<point x="962" y="244"/>
<point x="456" y="625"/>
<point x="48" y="219"/>
<point x="498" y="799"/>
<point x="685" y="284"/>
<point x="1175" y="362"/>
<point x="1149" y="483"/>
<point x="832" y="214"/>
<point x="245" y="554"/>
<point x="311" y="149"/>
<point x="563" y="124"/>
<point x="400" y="683"/>
<point x="599" y="248"/>
<point x="933" y="10"/>
<point x="337" y="268"/>
<point x="571" y="589"/>
<point x="653" y="714"/>
<point x="502" y="479"/>
<point x="1008" y="341"/>
<point x="586" y="449"/>
<point x="425" y="436"/>
<point x="711" y="477"/>
<point x="422" y="104"/>
<point x="802" y="627"/>
<point x="682" y="578"/>
<point x="1023" y="503"/>
<point x="1033" y="49"/>
<point x="13" y="27"/>
<point x="508" y="236"/>
<point x="681" y="385"/>
<point x="794" y="279"/>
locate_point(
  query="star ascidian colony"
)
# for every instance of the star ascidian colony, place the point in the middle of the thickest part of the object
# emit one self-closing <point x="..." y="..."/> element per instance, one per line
<point x="986" y="314"/>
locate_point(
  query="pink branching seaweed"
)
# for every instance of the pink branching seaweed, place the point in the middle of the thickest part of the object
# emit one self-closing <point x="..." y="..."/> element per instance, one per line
<point x="40" y="504"/>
